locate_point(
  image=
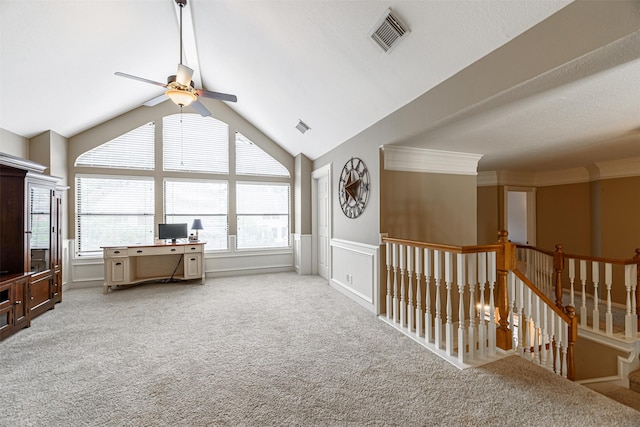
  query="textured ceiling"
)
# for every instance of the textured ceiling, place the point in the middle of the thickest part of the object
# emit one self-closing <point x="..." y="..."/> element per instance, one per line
<point x="313" y="60"/>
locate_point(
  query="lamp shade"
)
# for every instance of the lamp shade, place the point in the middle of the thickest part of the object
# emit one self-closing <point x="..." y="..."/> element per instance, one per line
<point x="197" y="225"/>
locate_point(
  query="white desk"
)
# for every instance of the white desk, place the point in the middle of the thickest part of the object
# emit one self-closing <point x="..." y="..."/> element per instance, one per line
<point x="128" y="265"/>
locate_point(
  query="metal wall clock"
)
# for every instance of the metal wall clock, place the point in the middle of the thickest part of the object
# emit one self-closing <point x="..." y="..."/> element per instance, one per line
<point x="353" y="187"/>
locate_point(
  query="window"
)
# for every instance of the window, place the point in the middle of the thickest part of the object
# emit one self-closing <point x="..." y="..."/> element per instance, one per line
<point x="263" y="215"/>
<point x="113" y="210"/>
<point x="186" y="200"/>
<point x="193" y="143"/>
<point x="133" y="150"/>
<point x="252" y="160"/>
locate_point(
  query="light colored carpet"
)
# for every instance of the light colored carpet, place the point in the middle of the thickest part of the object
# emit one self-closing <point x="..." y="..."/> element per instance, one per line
<point x="264" y="350"/>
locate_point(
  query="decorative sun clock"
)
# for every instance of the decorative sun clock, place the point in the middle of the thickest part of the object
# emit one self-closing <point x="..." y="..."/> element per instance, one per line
<point x="353" y="188"/>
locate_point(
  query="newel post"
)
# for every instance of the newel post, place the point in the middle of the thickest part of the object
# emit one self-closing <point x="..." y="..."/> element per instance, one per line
<point x="505" y="262"/>
<point x="573" y="337"/>
<point x="558" y="266"/>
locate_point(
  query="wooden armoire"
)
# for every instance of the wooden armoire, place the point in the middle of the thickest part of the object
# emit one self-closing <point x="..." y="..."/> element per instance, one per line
<point x="30" y="243"/>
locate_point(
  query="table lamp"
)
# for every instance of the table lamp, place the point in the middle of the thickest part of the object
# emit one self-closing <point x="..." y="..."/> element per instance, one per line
<point x="197" y="225"/>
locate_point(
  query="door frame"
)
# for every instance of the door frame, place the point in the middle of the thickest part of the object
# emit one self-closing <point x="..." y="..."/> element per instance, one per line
<point x="315" y="176"/>
<point x="531" y="210"/>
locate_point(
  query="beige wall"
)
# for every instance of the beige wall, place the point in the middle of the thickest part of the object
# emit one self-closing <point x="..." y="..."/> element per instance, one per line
<point x="564" y="217"/>
<point x="620" y="227"/>
<point x="13" y="144"/>
<point x="488" y="214"/>
<point x="438" y="208"/>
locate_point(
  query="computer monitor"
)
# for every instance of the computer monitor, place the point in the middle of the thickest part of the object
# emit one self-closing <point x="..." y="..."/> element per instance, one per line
<point x="173" y="232"/>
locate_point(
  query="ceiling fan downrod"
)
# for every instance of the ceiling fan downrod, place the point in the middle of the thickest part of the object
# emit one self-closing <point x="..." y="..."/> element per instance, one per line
<point x="181" y="4"/>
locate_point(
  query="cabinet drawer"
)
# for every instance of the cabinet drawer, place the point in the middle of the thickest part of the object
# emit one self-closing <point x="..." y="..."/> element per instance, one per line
<point x="164" y="250"/>
<point x="192" y="249"/>
<point x="115" y="252"/>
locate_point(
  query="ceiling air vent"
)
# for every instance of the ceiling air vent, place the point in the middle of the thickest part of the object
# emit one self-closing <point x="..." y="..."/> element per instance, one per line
<point x="388" y="31"/>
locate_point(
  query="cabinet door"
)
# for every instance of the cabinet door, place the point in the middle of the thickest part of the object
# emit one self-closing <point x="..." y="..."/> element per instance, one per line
<point x="117" y="271"/>
<point x="20" y="306"/>
<point x="192" y="266"/>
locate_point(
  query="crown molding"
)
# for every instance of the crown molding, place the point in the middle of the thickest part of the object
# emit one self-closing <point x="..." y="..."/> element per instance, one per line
<point x="619" y="168"/>
<point x="411" y="159"/>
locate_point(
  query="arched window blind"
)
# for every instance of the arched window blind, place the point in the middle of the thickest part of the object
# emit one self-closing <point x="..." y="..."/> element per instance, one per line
<point x="133" y="150"/>
<point x="252" y="160"/>
<point x="193" y="143"/>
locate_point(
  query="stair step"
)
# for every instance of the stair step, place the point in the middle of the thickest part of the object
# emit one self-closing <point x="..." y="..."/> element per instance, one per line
<point x="619" y="394"/>
<point x="634" y="381"/>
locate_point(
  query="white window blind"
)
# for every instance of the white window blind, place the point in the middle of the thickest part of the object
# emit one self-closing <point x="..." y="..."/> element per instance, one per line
<point x="193" y="143"/>
<point x="113" y="210"/>
<point x="252" y="160"/>
<point x="186" y="200"/>
<point x="133" y="150"/>
<point x="262" y="215"/>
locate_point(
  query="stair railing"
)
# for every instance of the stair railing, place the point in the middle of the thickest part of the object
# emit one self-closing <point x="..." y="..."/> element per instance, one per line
<point x="601" y="284"/>
<point x="458" y="300"/>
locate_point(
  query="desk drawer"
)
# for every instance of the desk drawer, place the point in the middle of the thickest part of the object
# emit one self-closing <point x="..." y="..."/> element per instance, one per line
<point x="115" y="252"/>
<point x="193" y="249"/>
<point x="164" y="250"/>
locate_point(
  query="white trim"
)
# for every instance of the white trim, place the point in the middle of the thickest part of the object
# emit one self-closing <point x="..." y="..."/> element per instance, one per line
<point x="325" y="170"/>
<point x="619" y="168"/>
<point x="355" y="273"/>
<point x="412" y="159"/>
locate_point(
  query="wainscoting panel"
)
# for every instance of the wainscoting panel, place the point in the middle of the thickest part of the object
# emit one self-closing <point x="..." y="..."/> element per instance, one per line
<point x="355" y="271"/>
<point x="302" y="253"/>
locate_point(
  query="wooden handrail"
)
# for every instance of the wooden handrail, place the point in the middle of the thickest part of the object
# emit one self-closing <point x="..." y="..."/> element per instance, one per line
<point x="567" y="315"/>
<point x="445" y="248"/>
<point x="616" y="261"/>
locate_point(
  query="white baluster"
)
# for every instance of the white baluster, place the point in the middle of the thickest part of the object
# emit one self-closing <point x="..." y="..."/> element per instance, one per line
<point x="595" y="278"/>
<point x="491" y="332"/>
<point x="403" y="301"/>
<point x="410" y="309"/>
<point x="544" y="336"/>
<point x="536" y="330"/>
<point x="428" y="319"/>
<point x="634" y="307"/>
<point x="572" y="276"/>
<point x="396" y="302"/>
<point x="583" y="279"/>
<point x="461" y="263"/>
<point x="528" y="313"/>
<point x="389" y="284"/>
<point x="513" y="314"/>
<point x="552" y="340"/>
<point x="628" y="318"/>
<point x="607" y="282"/>
<point x="522" y="319"/>
<point x="471" y="275"/>
<point x="437" y="273"/>
<point x="419" y="316"/>
<point x="448" y="280"/>
<point x="482" y="324"/>
<point x="565" y="347"/>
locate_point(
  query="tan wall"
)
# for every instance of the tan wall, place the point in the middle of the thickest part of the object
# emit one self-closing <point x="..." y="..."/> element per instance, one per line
<point x="488" y="216"/>
<point x="429" y="207"/>
<point x="563" y="215"/>
<point x="14" y="144"/>
<point x="620" y="204"/>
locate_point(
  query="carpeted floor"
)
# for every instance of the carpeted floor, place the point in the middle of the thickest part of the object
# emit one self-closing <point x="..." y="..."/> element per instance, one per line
<point x="264" y="350"/>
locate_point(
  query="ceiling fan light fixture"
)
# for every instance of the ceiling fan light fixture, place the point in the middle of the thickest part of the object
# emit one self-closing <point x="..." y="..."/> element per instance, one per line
<point x="180" y="97"/>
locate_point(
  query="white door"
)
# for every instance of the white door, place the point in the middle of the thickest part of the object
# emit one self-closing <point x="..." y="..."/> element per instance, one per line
<point x="322" y="216"/>
<point x="520" y="215"/>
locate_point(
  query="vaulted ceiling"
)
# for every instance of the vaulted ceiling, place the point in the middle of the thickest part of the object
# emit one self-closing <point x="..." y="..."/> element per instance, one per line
<point x="314" y="60"/>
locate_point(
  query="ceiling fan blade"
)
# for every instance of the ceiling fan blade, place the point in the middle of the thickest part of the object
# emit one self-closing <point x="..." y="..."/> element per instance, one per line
<point x="217" y="95"/>
<point x="155" y="101"/>
<point x="129" y="76"/>
<point x="184" y="74"/>
<point x="201" y="109"/>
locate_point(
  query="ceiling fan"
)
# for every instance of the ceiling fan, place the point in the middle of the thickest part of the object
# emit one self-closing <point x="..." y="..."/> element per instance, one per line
<point x="179" y="87"/>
